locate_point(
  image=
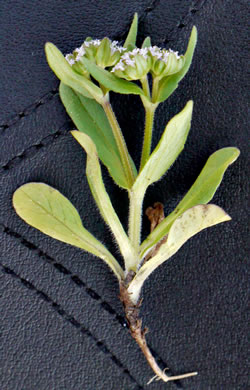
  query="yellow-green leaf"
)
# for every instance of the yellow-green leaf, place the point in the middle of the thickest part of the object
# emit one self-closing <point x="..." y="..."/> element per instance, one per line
<point x="110" y="81"/>
<point x="169" y="147"/>
<point x="169" y="84"/>
<point x="46" y="209"/>
<point x="94" y="176"/>
<point x="68" y="76"/>
<point x="131" y="38"/>
<point x="201" y="192"/>
<point x="187" y="225"/>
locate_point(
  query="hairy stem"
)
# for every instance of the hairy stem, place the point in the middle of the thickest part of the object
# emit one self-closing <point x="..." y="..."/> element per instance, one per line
<point x="120" y="141"/>
<point x="135" y="326"/>
<point x="135" y="218"/>
<point x="155" y="89"/>
<point x="145" y="86"/>
<point x="148" y="131"/>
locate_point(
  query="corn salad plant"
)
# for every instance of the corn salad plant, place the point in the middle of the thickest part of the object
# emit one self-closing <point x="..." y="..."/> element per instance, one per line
<point x="87" y="76"/>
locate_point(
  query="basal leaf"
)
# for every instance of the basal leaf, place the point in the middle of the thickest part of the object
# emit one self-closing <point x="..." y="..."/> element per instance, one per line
<point x="169" y="147"/>
<point x="201" y="192"/>
<point x="102" y="199"/>
<point x="169" y="84"/>
<point x="46" y="209"/>
<point x="110" y="81"/>
<point x="191" y="222"/>
<point x="89" y="118"/>
<point x="131" y="38"/>
<point x="65" y="73"/>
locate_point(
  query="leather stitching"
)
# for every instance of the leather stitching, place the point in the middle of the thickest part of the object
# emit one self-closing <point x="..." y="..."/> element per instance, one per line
<point x="80" y="283"/>
<point x="69" y="318"/>
<point x="31" y="150"/>
<point x="29" y="110"/>
<point x="186" y="20"/>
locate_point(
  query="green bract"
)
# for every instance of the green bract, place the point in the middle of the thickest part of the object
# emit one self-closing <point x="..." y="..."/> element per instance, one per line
<point x="87" y="76"/>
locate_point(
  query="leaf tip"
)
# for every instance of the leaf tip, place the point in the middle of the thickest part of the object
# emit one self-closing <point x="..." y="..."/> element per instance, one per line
<point x="236" y="152"/>
<point x="48" y="47"/>
<point x="189" y="106"/>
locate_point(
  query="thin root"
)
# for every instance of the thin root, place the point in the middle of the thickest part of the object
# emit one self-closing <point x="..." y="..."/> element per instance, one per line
<point x="165" y="378"/>
<point x="156" y="377"/>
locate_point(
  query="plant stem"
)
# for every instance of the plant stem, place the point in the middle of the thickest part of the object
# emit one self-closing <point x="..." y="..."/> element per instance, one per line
<point x="135" y="326"/>
<point x="135" y="217"/>
<point x="120" y="141"/>
<point x="145" y="86"/>
<point x="149" y="122"/>
<point x="155" y="89"/>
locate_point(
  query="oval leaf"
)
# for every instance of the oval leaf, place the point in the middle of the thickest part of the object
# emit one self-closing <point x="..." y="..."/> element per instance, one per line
<point x="46" y="209"/>
<point x="89" y="117"/>
<point x="65" y="73"/>
<point x="187" y="225"/>
<point x="169" y="147"/>
<point x="131" y="38"/>
<point x="169" y="84"/>
<point x="201" y="192"/>
<point x="102" y="199"/>
<point x="110" y="81"/>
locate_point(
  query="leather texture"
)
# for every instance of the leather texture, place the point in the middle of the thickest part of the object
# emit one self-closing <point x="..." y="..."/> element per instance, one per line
<point x="61" y="323"/>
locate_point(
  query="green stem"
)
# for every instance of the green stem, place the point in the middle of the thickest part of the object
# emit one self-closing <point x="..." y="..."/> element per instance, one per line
<point x="120" y="141"/>
<point x="155" y="89"/>
<point x="145" y="86"/>
<point x="135" y="218"/>
<point x="149" y="122"/>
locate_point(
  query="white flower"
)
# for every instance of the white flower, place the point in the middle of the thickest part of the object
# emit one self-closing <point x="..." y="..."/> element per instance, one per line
<point x="155" y="52"/>
<point x="80" y="52"/>
<point x="70" y="59"/>
<point x="115" y="47"/>
<point x="175" y="52"/>
<point x="119" y="66"/>
<point x="144" y="52"/>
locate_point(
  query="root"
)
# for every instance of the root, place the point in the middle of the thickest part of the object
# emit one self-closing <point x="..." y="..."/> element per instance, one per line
<point x="135" y="327"/>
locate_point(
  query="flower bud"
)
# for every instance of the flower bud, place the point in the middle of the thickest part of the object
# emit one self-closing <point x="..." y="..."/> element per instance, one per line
<point x="108" y="53"/>
<point x="165" y="62"/>
<point x="133" y="65"/>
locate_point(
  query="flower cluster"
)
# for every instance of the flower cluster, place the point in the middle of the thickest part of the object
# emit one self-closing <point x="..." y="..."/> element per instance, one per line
<point x="135" y="64"/>
<point x="130" y="65"/>
<point x="104" y="53"/>
<point x="165" y="62"/>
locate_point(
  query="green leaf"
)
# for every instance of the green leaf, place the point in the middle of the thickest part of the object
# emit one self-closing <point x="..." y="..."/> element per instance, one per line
<point x="66" y="74"/>
<point x="46" y="209"/>
<point x="146" y="42"/>
<point x="102" y="199"/>
<point x="201" y="192"/>
<point x="90" y="118"/>
<point x="131" y="38"/>
<point x="191" y="222"/>
<point x="169" y="147"/>
<point x="169" y="84"/>
<point x="110" y="81"/>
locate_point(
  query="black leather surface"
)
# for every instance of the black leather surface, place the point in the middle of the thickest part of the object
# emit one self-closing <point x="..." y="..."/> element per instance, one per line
<point x="61" y="324"/>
